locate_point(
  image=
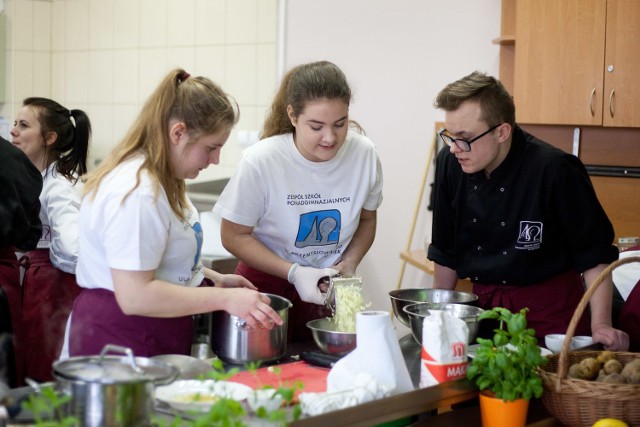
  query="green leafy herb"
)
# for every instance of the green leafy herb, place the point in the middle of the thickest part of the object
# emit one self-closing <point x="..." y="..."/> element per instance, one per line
<point x="48" y="408"/>
<point x="506" y="365"/>
<point x="230" y="413"/>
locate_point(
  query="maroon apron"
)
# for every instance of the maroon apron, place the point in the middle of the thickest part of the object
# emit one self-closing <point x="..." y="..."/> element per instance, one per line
<point x="10" y="284"/>
<point x="299" y="314"/>
<point x="629" y="319"/>
<point x="47" y="297"/>
<point x="551" y="303"/>
<point x="97" y="320"/>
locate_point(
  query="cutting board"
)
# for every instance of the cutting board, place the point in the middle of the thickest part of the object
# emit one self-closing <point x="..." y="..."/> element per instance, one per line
<point x="314" y="378"/>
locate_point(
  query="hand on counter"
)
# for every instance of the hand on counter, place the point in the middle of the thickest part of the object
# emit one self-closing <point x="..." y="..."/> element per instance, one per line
<point x="611" y="338"/>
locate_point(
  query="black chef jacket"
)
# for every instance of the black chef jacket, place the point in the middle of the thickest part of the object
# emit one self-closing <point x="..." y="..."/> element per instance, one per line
<point x="535" y="217"/>
<point x="20" y="187"/>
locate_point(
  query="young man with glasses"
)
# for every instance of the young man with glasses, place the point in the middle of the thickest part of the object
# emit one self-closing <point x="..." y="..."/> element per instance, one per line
<point x="517" y="216"/>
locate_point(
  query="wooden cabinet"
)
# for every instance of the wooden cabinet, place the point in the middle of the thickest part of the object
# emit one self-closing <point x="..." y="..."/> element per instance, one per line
<point x="622" y="62"/>
<point x="576" y="62"/>
<point x="554" y="55"/>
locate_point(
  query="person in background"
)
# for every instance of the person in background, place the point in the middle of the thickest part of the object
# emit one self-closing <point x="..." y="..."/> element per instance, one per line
<point x="302" y="203"/>
<point x="140" y="237"/>
<point x="626" y="276"/>
<point x="20" y="230"/>
<point x="517" y="216"/>
<point x="56" y="140"/>
<point x="626" y="300"/>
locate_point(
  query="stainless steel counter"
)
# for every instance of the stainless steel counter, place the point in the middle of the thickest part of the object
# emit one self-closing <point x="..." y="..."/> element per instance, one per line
<point x="224" y="265"/>
<point x="205" y="194"/>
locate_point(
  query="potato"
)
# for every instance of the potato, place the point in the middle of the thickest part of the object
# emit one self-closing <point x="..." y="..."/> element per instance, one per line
<point x="612" y="366"/>
<point x="631" y="372"/>
<point x="589" y="368"/>
<point x="601" y="376"/>
<point x="614" y="378"/>
<point x="605" y="356"/>
<point x="573" y="371"/>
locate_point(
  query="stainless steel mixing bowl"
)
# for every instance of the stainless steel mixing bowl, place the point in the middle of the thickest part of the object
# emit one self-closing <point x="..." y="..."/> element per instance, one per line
<point x="328" y="339"/>
<point x="403" y="297"/>
<point x="417" y="312"/>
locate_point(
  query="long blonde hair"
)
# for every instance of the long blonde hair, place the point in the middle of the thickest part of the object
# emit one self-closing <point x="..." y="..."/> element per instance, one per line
<point x="198" y="102"/>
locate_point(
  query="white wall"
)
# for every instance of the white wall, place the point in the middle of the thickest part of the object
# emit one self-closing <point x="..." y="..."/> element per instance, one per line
<point x="397" y="55"/>
<point x="106" y="56"/>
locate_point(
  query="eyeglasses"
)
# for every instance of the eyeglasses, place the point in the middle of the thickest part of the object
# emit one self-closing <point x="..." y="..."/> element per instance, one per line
<point x="461" y="143"/>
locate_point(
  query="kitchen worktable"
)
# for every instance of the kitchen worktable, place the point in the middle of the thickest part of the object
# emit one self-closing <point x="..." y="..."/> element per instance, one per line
<point x="468" y="415"/>
<point x="450" y="404"/>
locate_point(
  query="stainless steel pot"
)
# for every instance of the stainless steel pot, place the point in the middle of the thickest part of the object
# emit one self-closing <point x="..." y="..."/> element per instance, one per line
<point x="234" y="343"/>
<point x="112" y="391"/>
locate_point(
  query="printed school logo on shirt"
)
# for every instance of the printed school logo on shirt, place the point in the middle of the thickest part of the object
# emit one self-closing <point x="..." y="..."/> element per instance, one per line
<point x="319" y="228"/>
<point x="529" y="235"/>
<point x="45" y="237"/>
<point x="197" y="230"/>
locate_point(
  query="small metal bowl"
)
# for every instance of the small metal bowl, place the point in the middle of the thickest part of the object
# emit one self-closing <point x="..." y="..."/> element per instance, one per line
<point x="403" y="297"/>
<point x="328" y="339"/>
<point x="417" y="312"/>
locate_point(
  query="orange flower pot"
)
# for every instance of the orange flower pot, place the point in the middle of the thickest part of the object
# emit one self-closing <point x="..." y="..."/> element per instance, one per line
<point x="499" y="413"/>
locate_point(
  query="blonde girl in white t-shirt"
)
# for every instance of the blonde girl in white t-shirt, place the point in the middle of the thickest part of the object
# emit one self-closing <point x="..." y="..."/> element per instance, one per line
<point x="140" y="238"/>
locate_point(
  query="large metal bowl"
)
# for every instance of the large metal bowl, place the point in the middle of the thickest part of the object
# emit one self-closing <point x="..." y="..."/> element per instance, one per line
<point x="328" y="339"/>
<point x="403" y="297"/>
<point x="417" y="312"/>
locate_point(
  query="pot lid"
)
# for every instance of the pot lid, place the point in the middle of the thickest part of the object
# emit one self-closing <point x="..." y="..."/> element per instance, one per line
<point x="114" y="369"/>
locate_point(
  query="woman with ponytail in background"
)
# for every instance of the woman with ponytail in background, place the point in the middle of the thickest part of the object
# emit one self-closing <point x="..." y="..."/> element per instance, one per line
<point x="56" y="140"/>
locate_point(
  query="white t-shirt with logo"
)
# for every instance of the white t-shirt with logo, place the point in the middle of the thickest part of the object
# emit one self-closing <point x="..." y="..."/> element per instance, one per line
<point x="303" y="211"/>
<point x="140" y="234"/>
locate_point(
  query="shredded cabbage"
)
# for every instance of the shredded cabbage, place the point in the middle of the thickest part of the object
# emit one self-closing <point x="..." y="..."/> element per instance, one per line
<point x="349" y="301"/>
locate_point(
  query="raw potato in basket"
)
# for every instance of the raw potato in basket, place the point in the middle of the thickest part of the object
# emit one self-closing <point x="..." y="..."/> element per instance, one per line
<point x="606" y="368"/>
<point x="631" y="372"/>
<point x="578" y="403"/>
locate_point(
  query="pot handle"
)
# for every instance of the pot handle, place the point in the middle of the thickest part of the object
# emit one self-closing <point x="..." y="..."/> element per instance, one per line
<point x="123" y="350"/>
<point x="241" y="325"/>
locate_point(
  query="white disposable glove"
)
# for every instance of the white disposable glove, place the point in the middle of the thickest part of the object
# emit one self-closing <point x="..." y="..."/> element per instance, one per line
<point x="305" y="279"/>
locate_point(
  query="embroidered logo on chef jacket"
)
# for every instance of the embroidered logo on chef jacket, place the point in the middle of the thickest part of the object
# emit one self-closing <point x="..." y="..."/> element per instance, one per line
<point x="319" y="228"/>
<point x="530" y="235"/>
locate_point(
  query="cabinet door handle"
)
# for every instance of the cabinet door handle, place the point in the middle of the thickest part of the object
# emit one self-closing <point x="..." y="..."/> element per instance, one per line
<point x="591" y="98"/>
<point x="611" y="98"/>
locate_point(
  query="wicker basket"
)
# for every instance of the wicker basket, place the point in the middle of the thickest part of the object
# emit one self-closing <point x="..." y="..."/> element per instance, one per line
<point x="580" y="403"/>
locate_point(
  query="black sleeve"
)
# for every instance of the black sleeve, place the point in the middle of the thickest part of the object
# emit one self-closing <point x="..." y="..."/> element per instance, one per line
<point x="588" y="230"/>
<point x="20" y="187"/>
<point x="441" y="249"/>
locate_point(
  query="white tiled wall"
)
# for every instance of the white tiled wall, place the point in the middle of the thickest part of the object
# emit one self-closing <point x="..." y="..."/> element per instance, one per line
<point x="106" y="56"/>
